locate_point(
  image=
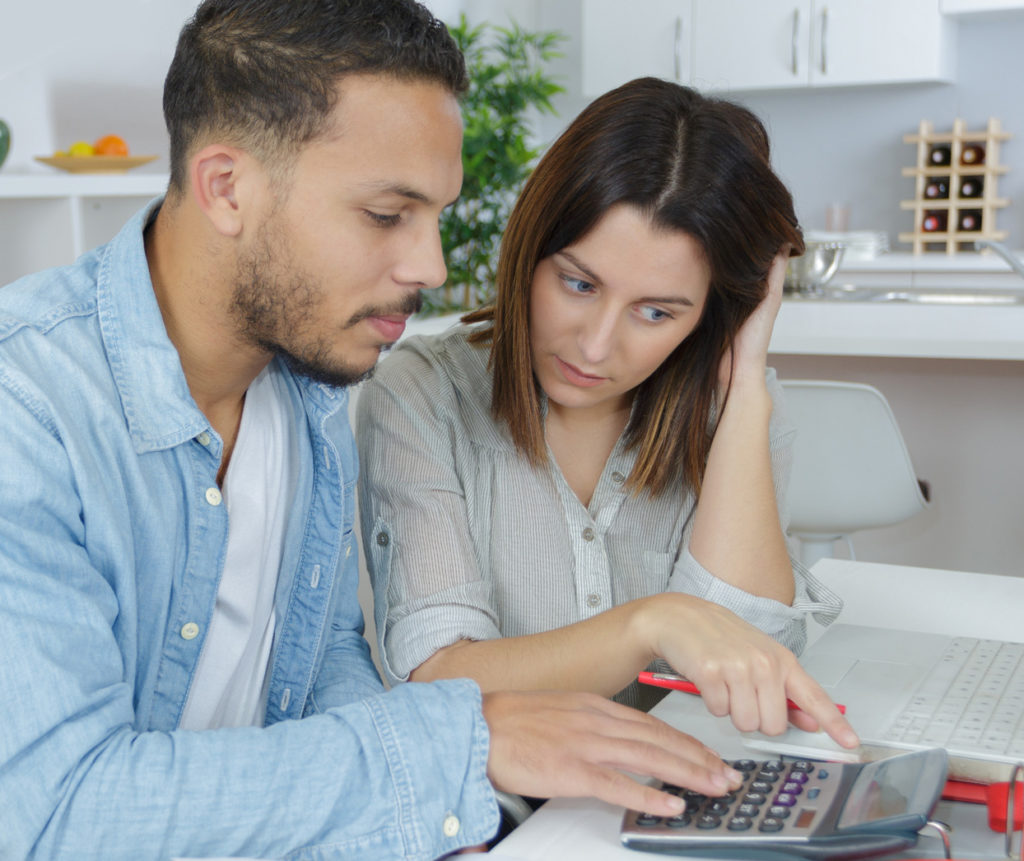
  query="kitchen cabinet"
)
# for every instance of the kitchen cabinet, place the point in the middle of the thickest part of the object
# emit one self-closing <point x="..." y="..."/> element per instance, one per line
<point x="966" y="7"/>
<point x="651" y="37"/>
<point x="49" y="220"/>
<point x="767" y="44"/>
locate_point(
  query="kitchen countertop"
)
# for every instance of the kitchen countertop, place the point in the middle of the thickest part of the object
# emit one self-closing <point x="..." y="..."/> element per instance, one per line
<point x="823" y="327"/>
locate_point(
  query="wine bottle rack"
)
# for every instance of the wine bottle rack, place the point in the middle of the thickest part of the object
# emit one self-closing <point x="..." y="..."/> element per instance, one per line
<point x="956" y="178"/>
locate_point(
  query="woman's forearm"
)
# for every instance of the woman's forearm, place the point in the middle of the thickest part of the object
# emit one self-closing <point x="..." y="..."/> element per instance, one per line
<point x="737" y="534"/>
<point x="602" y="655"/>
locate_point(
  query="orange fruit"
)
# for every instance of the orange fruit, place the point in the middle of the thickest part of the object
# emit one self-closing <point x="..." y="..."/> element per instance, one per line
<point x="111" y="145"/>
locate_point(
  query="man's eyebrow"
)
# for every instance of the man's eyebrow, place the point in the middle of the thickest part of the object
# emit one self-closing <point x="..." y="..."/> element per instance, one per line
<point x="406" y="191"/>
<point x="663" y="300"/>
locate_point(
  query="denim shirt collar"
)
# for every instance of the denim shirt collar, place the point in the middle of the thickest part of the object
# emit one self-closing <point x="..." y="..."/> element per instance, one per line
<point x="157" y="403"/>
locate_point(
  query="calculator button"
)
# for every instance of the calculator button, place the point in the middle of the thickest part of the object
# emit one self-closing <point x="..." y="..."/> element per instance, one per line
<point x="708" y="820"/>
<point x="744" y="765"/>
<point x="693" y="798"/>
<point x="740" y="823"/>
<point x="775" y="765"/>
<point x="761" y="786"/>
<point x="718" y="807"/>
<point x="792" y="787"/>
<point x="814" y="792"/>
<point x="680" y="821"/>
<point x="785" y="799"/>
<point x="778" y="811"/>
<point x="798" y="777"/>
<point x="771" y="823"/>
<point x="823" y="775"/>
<point x="770" y="776"/>
<point x="802" y="765"/>
<point x="751" y="809"/>
<point x="647" y="819"/>
<point x="728" y="798"/>
<point x="755" y="798"/>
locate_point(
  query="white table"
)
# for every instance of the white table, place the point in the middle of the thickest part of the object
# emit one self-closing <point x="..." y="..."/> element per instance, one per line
<point x="977" y="605"/>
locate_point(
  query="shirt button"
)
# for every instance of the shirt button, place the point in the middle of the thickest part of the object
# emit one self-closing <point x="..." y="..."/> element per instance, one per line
<point x="593" y="599"/>
<point x="451" y="825"/>
<point x="213" y="496"/>
<point x="618" y="477"/>
<point x="383" y="539"/>
<point x="189" y="631"/>
<point x="203" y="438"/>
<point x="588" y="534"/>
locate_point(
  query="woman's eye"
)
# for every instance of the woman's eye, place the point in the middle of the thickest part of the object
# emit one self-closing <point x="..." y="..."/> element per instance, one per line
<point x="654" y="315"/>
<point x="576" y="285"/>
<point x="383" y="220"/>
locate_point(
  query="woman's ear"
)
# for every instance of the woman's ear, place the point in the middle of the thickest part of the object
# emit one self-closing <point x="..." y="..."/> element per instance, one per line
<point x="217" y="173"/>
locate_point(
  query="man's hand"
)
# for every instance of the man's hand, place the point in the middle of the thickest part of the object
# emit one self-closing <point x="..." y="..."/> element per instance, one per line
<point x="575" y="744"/>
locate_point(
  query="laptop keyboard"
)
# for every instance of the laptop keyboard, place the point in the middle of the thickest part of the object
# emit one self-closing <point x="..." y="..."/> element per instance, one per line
<point x="973" y="700"/>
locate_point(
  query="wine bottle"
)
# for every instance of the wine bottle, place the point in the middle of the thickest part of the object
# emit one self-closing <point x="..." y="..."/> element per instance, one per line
<point x="935" y="221"/>
<point x="937" y="188"/>
<point x="939" y="154"/>
<point x="972" y="186"/>
<point x="969" y="220"/>
<point x="972" y="154"/>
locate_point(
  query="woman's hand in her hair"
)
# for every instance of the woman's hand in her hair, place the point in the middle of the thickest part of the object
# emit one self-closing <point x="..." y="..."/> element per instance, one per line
<point x="740" y="671"/>
<point x="749" y="354"/>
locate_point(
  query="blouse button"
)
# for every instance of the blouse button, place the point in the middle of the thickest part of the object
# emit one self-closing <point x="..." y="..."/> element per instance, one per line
<point x="618" y="477"/>
<point x="588" y="534"/>
<point x="203" y="438"/>
<point x="189" y="631"/>
<point x="213" y="496"/>
<point x="593" y="599"/>
<point x="383" y="539"/>
<point x="451" y="825"/>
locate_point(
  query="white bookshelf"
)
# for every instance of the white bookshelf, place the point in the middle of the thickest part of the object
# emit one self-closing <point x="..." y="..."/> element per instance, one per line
<point x="49" y="219"/>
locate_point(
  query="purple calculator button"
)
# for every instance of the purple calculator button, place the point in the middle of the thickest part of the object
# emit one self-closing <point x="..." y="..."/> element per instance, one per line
<point x="792" y="787"/>
<point x="786" y="799"/>
<point x="797" y="777"/>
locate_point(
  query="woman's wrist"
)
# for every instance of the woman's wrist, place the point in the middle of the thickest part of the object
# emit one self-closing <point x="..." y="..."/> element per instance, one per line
<point x="657" y="617"/>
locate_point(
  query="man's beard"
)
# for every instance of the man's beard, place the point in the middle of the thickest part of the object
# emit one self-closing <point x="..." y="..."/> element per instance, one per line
<point x="274" y="302"/>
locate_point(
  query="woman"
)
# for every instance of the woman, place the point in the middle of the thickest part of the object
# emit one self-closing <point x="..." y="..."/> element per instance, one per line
<point x="589" y="475"/>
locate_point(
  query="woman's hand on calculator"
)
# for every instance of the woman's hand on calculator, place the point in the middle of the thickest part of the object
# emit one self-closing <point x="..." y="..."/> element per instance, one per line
<point x="548" y="744"/>
<point x="742" y="672"/>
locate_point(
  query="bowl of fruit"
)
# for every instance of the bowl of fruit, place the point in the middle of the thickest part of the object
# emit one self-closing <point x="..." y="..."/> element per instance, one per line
<point x="108" y="154"/>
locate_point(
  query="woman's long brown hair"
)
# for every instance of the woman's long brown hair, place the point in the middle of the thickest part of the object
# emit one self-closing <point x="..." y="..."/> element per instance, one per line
<point x="692" y="164"/>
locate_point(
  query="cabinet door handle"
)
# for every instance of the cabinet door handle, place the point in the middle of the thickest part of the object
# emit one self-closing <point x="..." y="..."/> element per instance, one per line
<point x="677" y="59"/>
<point x="795" y="60"/>
<point x="824" y="40"/>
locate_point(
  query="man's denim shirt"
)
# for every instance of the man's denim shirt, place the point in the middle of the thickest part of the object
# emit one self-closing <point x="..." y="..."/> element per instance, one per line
<point x="112" y="538"/>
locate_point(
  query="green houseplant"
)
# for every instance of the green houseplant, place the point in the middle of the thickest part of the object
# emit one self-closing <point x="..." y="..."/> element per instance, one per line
<point x="507" y="74"/>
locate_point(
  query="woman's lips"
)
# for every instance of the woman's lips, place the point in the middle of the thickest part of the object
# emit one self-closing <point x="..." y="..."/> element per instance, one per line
<point x="391" y="327"/>
<point x="577" y="377"/>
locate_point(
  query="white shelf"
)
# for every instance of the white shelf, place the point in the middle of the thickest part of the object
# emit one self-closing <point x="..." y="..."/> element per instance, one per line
<point x="25" y="186"/>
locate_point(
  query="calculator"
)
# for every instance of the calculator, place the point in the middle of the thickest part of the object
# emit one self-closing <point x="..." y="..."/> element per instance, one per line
<point x="801" y="808"/>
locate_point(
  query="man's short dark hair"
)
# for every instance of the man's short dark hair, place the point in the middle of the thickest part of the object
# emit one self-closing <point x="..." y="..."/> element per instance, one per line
<point x="263" y="74"/>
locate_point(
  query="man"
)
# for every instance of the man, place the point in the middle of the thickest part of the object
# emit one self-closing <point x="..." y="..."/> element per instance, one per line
<point x="181" y="682"/>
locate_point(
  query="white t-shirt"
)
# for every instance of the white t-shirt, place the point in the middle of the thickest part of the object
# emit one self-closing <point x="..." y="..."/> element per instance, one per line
<point x="229" y="688"/>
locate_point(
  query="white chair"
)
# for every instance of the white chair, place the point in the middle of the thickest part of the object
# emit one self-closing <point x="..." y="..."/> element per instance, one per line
<point x="851" y="467"/>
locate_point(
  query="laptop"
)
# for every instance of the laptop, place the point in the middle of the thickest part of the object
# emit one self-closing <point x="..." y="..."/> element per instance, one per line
<point x="906" y="690"/>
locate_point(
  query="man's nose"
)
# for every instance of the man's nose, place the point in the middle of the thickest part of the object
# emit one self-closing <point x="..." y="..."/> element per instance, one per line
<point x="423" y="263"/>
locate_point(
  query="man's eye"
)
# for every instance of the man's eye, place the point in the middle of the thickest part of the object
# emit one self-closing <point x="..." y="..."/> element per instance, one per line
<point x="383" y="220"/>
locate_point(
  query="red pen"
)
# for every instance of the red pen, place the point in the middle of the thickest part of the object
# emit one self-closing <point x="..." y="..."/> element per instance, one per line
<point x="678" y="683"/>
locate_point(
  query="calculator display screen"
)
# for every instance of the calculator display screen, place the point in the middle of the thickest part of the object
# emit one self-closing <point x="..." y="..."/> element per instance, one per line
<point x="883" y="790"/>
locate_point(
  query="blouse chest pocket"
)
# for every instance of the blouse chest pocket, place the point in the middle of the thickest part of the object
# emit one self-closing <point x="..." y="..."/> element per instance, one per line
<point x="657" y="569"/>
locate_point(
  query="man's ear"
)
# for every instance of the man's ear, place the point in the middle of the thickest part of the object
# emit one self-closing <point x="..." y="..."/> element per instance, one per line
<point x="218" y="174"/>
